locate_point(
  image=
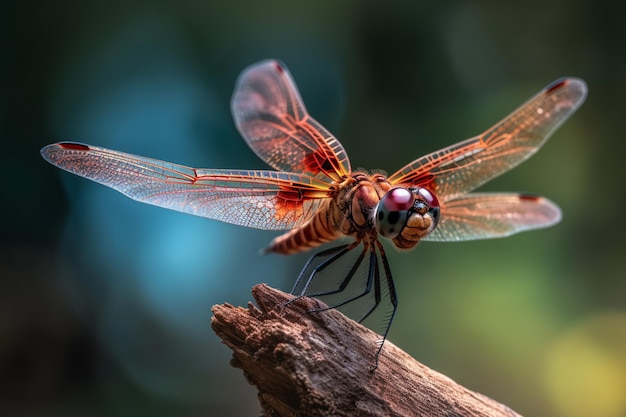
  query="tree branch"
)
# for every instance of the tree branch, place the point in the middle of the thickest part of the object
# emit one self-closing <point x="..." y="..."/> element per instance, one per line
<point x="320" y="364"/>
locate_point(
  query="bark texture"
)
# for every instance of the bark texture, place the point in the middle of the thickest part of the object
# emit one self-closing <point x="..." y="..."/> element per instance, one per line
<point x="320" y="364"/>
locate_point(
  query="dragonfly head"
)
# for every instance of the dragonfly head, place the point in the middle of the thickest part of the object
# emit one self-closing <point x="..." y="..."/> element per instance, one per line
<point x="407" y="215"/>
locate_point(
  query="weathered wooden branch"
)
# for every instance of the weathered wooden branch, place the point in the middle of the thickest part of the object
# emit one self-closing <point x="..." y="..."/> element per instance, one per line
<point x="320" y="364"/>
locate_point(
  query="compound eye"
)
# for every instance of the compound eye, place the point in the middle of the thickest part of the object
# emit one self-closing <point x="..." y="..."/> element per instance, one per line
<point x="428" y="197"/>
<point x="392" y="212"/>
<point x="427" y="202"/>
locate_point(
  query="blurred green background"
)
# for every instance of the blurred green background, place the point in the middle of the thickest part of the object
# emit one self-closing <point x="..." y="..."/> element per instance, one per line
<point x="105" y="303"/>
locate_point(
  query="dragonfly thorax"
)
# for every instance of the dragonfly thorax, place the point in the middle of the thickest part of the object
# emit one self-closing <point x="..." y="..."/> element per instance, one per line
<point x="357" y="198"/>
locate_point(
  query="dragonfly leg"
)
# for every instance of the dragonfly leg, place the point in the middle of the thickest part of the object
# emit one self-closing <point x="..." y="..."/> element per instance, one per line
<point x="334" y="253"/>
<point x="368" y="285"/>
<point x="393" y="297"/>
<point x="374" y="279"/>
<point x="346" y="280"/>
<point x="377" y="292"/>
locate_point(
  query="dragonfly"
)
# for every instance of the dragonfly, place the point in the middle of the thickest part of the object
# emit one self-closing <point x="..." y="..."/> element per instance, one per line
<point x="313" y="193"/>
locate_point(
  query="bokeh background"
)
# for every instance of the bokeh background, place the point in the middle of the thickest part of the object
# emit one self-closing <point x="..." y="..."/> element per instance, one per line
<point x="105" y="302"/>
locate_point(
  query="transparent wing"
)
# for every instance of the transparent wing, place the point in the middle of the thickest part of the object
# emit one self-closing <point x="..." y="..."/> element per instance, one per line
<point x="261" y="199"/>
<point x="463" y="167"/>
<point x="489" y="215"/>
<point x="271" y="116"/>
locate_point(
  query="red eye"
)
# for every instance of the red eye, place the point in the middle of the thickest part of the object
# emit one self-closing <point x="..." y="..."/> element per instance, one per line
<point x="428" y="197"/>
<point x="392" y="212"/>
<point x="397" y="199"/>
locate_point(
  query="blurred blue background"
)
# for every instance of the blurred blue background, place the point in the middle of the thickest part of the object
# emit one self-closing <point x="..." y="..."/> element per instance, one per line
<point x="105" y="302"/>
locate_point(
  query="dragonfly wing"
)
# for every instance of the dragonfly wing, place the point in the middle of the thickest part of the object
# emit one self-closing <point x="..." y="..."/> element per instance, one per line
<point x="271" y="116"/>
<point x="489" y="215"/>
<point x="261" y="199"/>
<point x="463" y="167"/>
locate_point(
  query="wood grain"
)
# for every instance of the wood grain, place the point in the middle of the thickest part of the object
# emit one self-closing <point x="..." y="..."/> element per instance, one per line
<point x="320" y="364"/>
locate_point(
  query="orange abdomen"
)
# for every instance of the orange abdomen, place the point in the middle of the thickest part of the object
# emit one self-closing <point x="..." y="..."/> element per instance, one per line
<point x="324" y="227"/>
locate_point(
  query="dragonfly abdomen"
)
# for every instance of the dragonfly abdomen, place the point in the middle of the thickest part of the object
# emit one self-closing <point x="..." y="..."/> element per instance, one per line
<point x="324" y="227"/>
